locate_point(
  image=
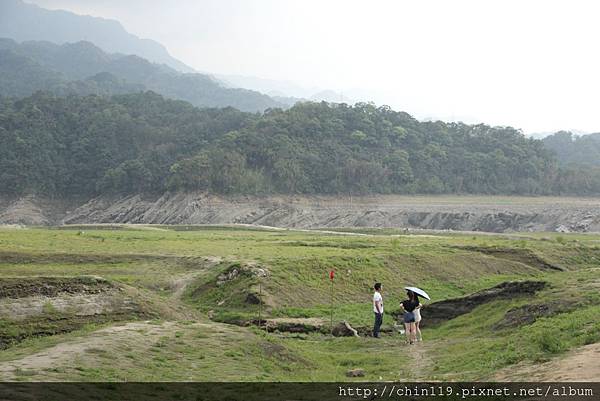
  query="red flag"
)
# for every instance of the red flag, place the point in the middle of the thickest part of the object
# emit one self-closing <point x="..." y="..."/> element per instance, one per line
<point x="331" y="275"/>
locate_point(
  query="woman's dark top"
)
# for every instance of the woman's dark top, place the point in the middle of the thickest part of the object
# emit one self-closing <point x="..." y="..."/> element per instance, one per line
<point x="409" y="305"/>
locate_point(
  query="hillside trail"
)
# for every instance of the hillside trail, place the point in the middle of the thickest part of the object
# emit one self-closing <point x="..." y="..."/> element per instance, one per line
<point x="180" y="283"/>
<point x="421" y="357"/>
<point x="581" y="364"/>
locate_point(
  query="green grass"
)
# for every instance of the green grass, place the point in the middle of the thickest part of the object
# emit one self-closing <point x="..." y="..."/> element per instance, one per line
<point x="153" y="260"/>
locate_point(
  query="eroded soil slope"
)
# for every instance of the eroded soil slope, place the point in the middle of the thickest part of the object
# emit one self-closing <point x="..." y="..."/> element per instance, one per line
<point x="460" y="213"/>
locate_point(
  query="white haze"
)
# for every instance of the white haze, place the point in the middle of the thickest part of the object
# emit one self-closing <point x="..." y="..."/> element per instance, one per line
<point x="529" y="64"/>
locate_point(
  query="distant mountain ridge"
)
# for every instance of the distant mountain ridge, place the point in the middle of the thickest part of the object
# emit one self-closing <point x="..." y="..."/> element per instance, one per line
<point x="68" y="69"/>
<point x="286" y="91"/>
<point x="22" y="22"/>
<point x="36" y="26"/>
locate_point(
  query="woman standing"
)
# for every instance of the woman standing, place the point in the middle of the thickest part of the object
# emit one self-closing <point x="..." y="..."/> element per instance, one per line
<point x="409" y="307"/>
<point x="417" y="313"/>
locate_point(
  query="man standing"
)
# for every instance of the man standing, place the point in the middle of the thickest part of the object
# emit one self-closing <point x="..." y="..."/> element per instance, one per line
<point x="378" y="309"/>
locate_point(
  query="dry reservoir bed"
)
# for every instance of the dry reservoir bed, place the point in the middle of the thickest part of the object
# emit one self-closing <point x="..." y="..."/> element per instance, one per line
<point x="458" y="213"/>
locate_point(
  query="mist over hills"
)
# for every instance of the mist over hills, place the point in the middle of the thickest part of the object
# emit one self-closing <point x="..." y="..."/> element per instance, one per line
<point x="271" y="87"/>
<point x="159" y="145"/>
<point x="310" y="148"/>
<point x="571" y="149"/>
<point x="288" y="92"/>
<point x="67" y="69"/>
<point x="21" y="76"/>
<point x="23" y="22"/>
<point x="89" y="46"/>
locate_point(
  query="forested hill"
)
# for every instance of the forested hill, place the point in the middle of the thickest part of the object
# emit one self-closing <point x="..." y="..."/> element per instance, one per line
<point x="572" y="150"/>
<point x="82" y="68"/>
<point x="66" y="146"/>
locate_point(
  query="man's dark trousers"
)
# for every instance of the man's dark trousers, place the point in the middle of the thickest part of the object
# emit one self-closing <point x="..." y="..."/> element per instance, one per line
<point x="377" y="326"/>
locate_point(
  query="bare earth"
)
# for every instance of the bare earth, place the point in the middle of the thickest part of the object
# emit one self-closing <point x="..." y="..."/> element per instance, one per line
<point x="92" y="350"/>
<point x="458" y="213"/>
<point x="580" y="365"/>
<point x="65" y="353"/>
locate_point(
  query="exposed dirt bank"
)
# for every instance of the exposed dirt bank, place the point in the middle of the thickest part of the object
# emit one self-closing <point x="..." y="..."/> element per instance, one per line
<point x="442" y="311"/>
<point x="43" y="306"/>
<point x="579" y="365"/>
<point x="460" y="213"/>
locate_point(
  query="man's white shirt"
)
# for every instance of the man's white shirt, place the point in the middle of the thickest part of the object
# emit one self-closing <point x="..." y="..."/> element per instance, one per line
<point x="377" y="298"/>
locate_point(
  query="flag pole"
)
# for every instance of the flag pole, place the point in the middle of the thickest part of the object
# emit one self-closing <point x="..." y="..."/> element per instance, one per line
<point x="331" y="276"/>
<point x="260" y="304"/>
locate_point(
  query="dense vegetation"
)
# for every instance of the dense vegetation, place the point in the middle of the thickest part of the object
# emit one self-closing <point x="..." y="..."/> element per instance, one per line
<point x="65" y="146"/>
<point x="579" y="161"/>
<point x="82" y="68"/>
<point x="572" y="150"/>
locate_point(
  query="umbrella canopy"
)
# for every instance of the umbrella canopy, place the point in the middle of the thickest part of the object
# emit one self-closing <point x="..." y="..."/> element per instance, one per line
<point x="418" y="291"/>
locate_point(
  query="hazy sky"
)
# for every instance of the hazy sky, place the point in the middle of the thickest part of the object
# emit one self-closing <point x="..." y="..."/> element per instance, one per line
<point x="531" y="64"/>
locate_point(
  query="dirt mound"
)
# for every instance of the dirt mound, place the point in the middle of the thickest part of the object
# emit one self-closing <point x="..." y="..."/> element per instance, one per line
<point x="43" y="306"/>
<point x="237" y="270"/>
<point x="236" y="284"/>
<point x="442" y="311"/>
<point x="343" y="329"/>
<point x="286" y="325"/>
<point x="52" y="286"/>
<point x="90" y="258"/>
<point x="528" y="314"/>
<point x="296" y="325"/>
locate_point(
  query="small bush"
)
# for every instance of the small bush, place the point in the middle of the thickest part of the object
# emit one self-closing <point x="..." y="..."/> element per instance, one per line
<point x="591" y="338"/>
<point x="49" y="309"/>
<point x="549" y="342"/>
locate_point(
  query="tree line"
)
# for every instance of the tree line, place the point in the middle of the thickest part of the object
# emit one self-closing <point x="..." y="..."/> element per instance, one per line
<point x="574" y="150"/>
<point x="141" y="143"/>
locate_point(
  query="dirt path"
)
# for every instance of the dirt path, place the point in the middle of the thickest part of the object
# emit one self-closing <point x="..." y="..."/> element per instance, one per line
<point x="103" y="339"/>
<point x="582" y="364"/>
<point x="421" y="360"/>
<point x="47" y="364"/>
<point x="180" y="283"/>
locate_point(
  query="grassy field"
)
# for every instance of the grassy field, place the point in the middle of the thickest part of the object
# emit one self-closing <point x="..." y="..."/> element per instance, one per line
<point x="193" y="283"/>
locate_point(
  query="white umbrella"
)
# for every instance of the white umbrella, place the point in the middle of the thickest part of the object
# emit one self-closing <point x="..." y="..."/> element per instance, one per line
<point x="418" y="291"/>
